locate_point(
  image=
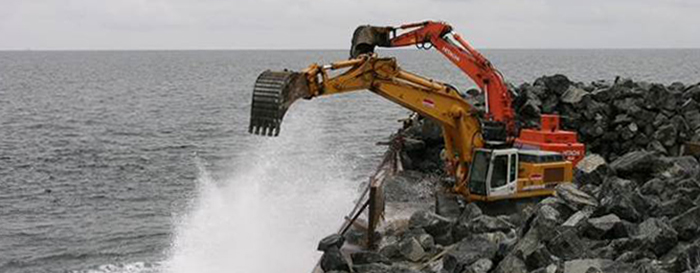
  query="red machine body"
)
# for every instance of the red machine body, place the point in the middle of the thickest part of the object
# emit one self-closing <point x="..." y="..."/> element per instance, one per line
<point x="550" y="138"/>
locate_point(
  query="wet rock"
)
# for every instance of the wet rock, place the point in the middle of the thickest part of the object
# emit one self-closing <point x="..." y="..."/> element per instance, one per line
<point x="333" y="240"/>
<point x="368" y="257"/>
<point x="573" y="197"/>
<point x="332" y="259"/>
<point x="468" y="251"/>
<point x="411" y="249"/>
<point x="687" y="224"/>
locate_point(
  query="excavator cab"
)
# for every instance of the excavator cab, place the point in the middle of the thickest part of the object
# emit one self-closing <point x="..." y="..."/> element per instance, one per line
<point x="494" y="173"/>
<point x="498" y="174"/>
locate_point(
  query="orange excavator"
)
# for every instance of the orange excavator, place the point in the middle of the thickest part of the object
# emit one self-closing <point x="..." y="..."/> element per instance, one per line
<point x="489" y="156"/>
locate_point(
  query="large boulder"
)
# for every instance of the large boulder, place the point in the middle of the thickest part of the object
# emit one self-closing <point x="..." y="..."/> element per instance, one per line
<point x="635" y="164"/>
<point x="539" y="258"/>
<point x="333" y="240"/>
<point x="437" y="226"/>
<point x="466" y="252"/>
<point x="411" y="249"/>
<point x="608" y="226"/>
<point x="657" y="236"/>
<point x="332" y="259"/>
<point x="567" y="245"/>
<point x="573" y="197"/>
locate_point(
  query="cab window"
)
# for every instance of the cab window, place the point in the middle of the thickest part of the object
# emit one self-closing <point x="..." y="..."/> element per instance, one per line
<point x="500" y="171"/>
<point x="513" y="168"/>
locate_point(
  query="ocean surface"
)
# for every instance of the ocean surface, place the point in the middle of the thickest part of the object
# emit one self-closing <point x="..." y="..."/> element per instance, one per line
<point x="140" y="161"/>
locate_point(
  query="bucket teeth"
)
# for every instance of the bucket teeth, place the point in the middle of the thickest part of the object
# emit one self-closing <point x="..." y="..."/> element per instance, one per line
<point x="273" y="93"/>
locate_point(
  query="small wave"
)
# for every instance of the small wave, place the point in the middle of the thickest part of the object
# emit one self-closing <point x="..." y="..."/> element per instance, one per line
<point x="137" y="267"/>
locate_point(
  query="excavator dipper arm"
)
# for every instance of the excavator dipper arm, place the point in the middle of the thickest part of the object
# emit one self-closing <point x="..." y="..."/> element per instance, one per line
<point x="275" y="91"/>
<point x="436" y="34"/>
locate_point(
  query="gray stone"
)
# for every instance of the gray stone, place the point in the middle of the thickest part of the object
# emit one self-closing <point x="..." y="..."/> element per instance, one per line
<point x="332" y="259"/>
<point x="573" y="95"/>
<point x="411" y="249"/>
<point x="658" y="236"/>
<point x="567" y="245"/>
<point x="541" y="257"/>
<point x="603" y="227"/>
<point x="573" y="197"/>
<point x="667" y="135"/>
<point x="468" y="251"/>
<point x="446" y="205"/>
<point x="584" y="265"/>
<point x="481" y="266"/>
<point x="488" y="224"/>
<point x="437" y="226"/>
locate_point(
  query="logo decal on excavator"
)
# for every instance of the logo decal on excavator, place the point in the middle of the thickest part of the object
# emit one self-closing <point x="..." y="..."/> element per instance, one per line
<point x="448" y="52"/>
<point x="429" y="103"/>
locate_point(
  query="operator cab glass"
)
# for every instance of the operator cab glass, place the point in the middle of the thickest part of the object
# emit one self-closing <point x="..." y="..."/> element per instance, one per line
<point x="479" y="172"/>
<point x="494" y="173"/>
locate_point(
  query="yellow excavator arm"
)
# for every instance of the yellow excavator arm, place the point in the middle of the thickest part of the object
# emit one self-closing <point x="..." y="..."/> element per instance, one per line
<point x="274" y="93"/>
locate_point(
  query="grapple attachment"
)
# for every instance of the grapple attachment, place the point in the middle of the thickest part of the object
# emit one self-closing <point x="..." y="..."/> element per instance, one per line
<point x="273" y="93"/>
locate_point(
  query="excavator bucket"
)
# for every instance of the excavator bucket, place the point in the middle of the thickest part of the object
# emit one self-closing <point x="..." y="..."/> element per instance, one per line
<point x="273" y="93"/>
<point x="366" y="38"/>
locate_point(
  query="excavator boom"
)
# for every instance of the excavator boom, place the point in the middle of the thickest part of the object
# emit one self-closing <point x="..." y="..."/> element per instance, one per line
<point x="274" y="92"/>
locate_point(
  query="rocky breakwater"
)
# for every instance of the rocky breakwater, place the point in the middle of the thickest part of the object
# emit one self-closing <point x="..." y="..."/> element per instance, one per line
<point x="634" y="205"/>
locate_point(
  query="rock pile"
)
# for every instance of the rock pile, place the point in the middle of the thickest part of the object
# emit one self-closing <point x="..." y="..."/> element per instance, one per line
<point x="615" y="218"/>
<point x="634" y="205"/>
<point x="615" y="118"/>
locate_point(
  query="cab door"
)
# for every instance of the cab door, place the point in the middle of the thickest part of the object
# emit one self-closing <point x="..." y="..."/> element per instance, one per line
<point x="504" y="174"/>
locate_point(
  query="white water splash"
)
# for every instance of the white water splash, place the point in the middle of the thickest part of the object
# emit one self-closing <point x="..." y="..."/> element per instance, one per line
<point x="268" y="216"/>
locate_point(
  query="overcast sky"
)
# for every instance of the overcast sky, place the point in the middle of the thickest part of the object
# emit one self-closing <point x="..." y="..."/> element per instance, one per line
<point x="315" y="24"/>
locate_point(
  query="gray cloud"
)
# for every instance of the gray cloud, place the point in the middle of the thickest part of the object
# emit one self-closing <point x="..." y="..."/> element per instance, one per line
<point x="250" y="24"/>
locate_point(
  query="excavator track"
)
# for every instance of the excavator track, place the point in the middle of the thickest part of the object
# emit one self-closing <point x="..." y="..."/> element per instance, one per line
<point x="273" y="93"/>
